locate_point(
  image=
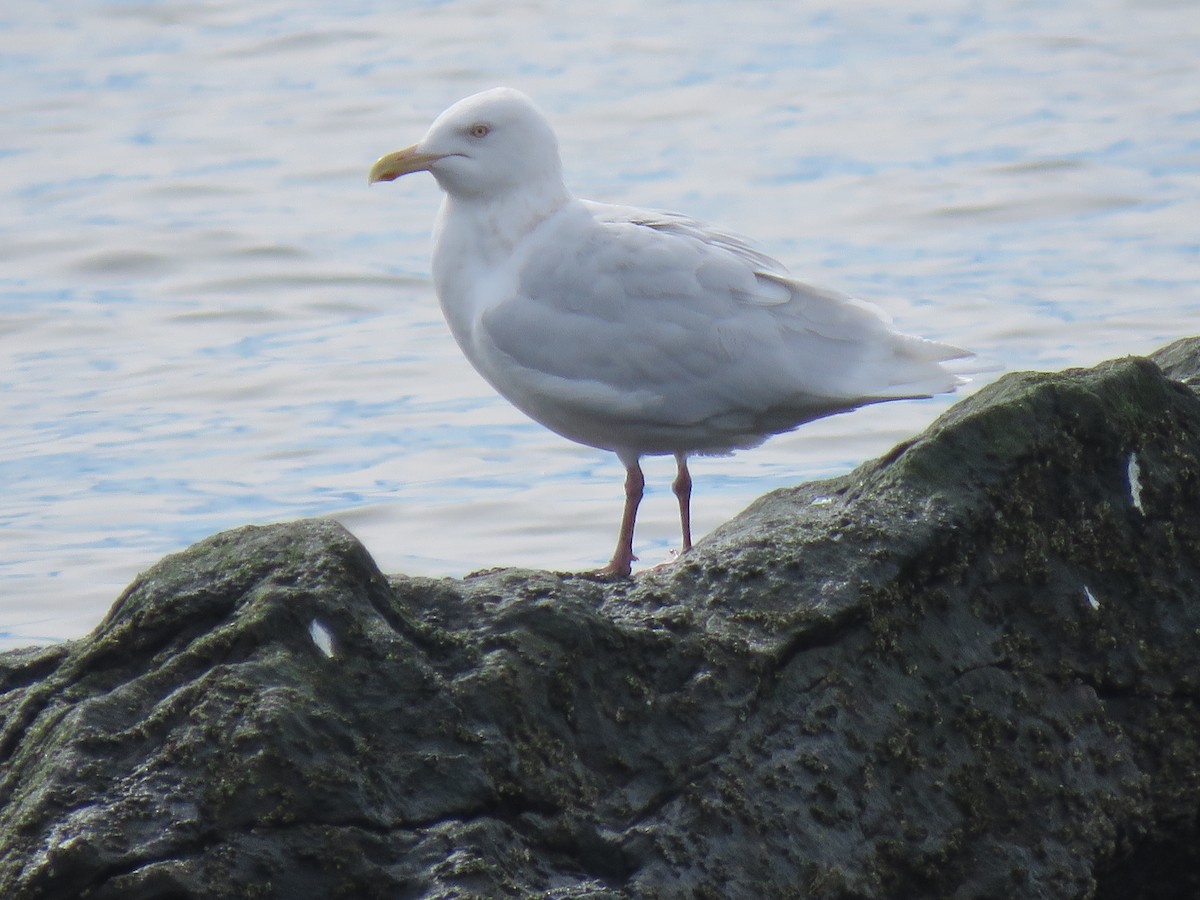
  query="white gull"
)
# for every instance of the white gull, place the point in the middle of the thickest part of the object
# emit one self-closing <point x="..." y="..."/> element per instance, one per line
<point x="631" y="330"/>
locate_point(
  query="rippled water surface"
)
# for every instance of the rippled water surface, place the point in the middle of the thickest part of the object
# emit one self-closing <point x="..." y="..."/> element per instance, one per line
<point x="207" y="319"/>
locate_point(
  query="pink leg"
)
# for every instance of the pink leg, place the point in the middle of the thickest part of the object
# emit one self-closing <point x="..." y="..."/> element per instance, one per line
<point x="682" y="486"/>
<point x="622" y="561"/>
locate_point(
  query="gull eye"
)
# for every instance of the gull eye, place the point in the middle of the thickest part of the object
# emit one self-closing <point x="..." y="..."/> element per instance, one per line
<point x="479" y="130"/>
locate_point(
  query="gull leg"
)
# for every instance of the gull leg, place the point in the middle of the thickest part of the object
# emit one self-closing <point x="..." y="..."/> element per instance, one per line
<point x="682" y="486"/>
<point x="622" y="561"/>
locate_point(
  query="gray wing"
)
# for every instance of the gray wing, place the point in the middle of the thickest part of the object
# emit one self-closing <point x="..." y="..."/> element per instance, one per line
<point x="646" y="321"/>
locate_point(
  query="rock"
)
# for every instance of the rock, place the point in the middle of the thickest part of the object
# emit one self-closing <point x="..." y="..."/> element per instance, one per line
<point x="969" y="669"/>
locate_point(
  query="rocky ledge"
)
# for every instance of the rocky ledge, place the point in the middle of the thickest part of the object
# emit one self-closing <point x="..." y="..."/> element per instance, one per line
<point x="969" y="669"/>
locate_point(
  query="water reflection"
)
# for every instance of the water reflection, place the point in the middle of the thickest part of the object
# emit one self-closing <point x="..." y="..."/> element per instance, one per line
<point x="207" y="320"/>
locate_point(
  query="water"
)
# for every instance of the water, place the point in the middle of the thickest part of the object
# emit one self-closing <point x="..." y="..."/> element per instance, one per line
<point x="207" y="319"/>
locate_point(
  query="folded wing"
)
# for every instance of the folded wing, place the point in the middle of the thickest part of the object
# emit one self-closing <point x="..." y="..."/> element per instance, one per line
<point x="627" y="328"/>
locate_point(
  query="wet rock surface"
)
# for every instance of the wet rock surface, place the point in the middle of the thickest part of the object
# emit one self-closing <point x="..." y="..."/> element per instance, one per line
<point x="969" y="669"/>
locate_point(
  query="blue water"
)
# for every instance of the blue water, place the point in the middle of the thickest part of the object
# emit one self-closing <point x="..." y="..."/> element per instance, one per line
<point x="207" y="319"/>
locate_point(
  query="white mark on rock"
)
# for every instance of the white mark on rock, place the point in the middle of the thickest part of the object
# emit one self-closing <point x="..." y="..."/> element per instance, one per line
<point x="822" y="501"/>
<point x="1090" y="597"/>
<point x="1134" y="472"/>
<point x="321" y="636"/>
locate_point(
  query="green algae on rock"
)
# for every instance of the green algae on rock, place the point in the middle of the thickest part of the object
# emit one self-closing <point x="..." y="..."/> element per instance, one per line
<point x="968" y="669"/>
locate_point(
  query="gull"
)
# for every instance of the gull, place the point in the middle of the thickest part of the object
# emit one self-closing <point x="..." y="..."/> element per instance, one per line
<point x="636" y="331"/>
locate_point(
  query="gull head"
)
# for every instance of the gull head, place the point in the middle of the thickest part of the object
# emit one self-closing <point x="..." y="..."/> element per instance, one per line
<point x="483" y="147"/>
